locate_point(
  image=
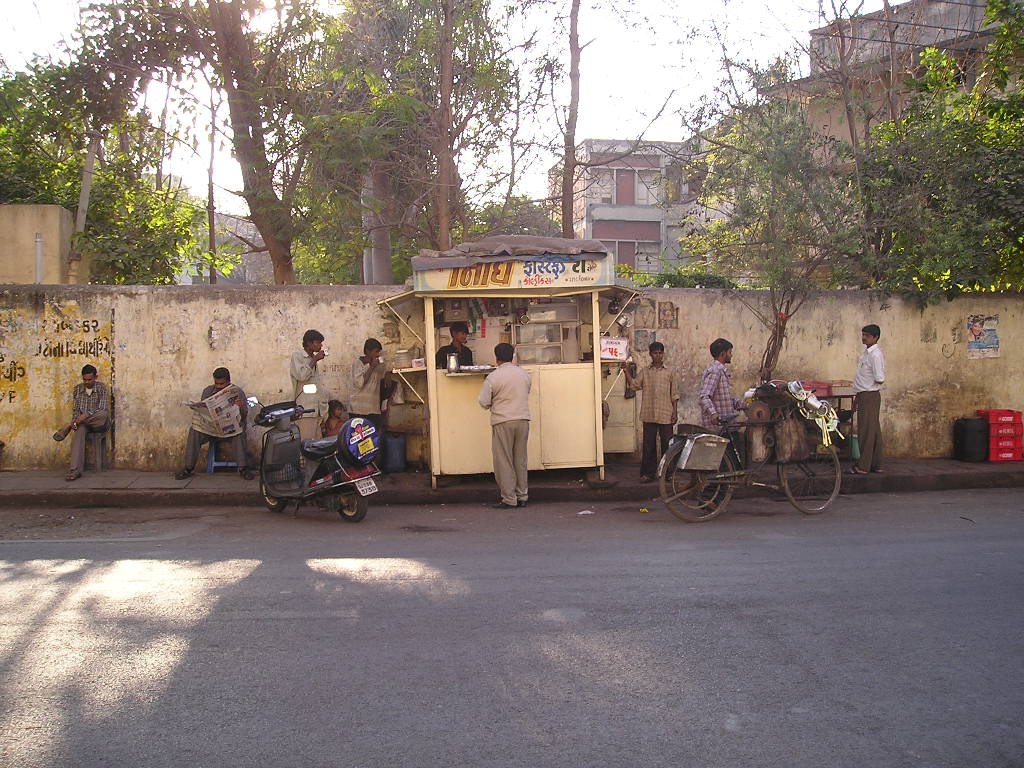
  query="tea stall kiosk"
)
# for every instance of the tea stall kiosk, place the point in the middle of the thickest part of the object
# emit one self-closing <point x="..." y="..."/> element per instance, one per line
<point x="550" y="298"/>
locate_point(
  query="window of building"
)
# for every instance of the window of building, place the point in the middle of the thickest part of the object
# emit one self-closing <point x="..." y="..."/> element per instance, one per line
<point x="603" y="185"/>
<point x="647" y="184"/>
<point x="648" y="258"/>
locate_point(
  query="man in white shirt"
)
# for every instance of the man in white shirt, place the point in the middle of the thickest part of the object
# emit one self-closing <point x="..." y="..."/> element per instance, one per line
<point x="867" y="401"/>
<point x="302" y="368"/>
<point x="506" y="394"/>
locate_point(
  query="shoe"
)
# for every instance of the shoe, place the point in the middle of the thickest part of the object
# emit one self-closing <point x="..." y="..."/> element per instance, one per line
<point x="183" y="474"/>
<point x="60" y="434"/>
<point x="503" y="505"/>
<point x="72" y="476"/>
<point x="857" y="471"/>
<point x="878" y="471"/>
<point x="646" y="479"/>
<point x="522" y="503"/>
<point x="247" y="474"/>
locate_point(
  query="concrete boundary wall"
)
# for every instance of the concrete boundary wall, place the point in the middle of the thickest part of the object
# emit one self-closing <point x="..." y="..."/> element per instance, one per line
<point x="157" y="346"/>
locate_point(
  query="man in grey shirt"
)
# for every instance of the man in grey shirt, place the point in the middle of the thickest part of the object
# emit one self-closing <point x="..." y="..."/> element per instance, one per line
<point x="506" y="393"/>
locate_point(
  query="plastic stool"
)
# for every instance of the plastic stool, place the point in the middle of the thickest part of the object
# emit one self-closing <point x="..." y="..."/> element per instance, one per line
<point x="98" y="442"/>
<point x="212" y="463"/>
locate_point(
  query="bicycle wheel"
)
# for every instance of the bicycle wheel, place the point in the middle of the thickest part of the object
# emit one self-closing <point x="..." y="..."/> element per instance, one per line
<point x="811" y="486"/>
<point x="693" y="496"/>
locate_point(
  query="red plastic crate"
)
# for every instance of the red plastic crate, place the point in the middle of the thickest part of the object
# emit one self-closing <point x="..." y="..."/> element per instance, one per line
<point x="820" y="388"/>
<point x="1007" y="455"/>
<point x="1000" y="444"/>
<point x="1005" y="430"/>
<point x="999" y="415"/>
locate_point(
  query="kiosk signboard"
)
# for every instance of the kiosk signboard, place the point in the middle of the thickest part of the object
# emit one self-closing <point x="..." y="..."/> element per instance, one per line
<point x="543" y="272"/>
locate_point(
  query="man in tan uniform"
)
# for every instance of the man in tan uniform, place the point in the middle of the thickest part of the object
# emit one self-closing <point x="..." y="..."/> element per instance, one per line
<point x="506" y="393"/>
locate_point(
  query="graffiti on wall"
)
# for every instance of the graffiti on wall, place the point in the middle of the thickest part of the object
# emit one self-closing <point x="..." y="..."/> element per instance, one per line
<point x="40" y="353"/>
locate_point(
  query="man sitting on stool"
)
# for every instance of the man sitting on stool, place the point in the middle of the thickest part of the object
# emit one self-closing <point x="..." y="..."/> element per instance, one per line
<point x="221" y="379"/>
<point x="90" y="412"/>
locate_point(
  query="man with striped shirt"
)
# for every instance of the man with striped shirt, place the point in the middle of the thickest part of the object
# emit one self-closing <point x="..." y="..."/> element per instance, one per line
<point x="90" y="412"/>
<point x="658" y="408"/>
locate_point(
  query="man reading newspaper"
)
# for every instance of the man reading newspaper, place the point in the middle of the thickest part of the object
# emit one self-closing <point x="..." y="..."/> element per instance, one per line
<point x="220" y="414"/>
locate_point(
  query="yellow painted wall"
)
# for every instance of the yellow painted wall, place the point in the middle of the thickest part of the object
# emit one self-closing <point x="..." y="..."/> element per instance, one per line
<point x="929" y="381"/>
<point x="18" y="227"/>
<point x="159" y="345"/>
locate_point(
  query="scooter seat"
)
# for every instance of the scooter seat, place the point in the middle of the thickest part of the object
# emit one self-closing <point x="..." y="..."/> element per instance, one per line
<point x="317" y="449"/>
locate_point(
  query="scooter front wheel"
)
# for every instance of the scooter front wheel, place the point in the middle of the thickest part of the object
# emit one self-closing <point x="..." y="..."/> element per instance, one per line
<point x="273" y="503"/>
<point x="353" y="507"/>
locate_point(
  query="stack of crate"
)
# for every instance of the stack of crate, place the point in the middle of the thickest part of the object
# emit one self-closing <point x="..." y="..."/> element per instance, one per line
<point x="1005" y="434"/>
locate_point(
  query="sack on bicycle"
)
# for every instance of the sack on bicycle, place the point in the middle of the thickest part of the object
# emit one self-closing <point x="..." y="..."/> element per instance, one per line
<point x="792" y="442"/>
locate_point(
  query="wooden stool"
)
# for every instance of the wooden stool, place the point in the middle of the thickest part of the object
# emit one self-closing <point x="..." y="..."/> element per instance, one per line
<point x="97" y="441"/>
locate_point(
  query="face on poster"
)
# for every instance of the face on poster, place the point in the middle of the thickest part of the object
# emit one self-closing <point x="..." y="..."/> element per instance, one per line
<point x="982" y="336"/>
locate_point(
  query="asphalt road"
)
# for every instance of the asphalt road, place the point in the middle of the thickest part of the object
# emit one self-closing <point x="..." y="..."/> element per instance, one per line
<point x="887" y="632"/>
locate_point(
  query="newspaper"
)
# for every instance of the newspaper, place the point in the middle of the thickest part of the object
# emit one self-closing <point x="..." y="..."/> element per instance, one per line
<point x="217" y="415"/>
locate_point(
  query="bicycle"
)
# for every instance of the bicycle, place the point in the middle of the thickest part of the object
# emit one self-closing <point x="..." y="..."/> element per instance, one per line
<point x="699" y="472"/>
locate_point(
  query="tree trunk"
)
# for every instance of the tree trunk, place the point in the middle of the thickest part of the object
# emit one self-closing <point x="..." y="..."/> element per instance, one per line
<point x="444" y="152"/>
<point x="569" y="155"/>
<point x="377" y="268"/>
<point x="211" y="208"/>
<point x="82" y="212"/>
<point x="268" y="212"/>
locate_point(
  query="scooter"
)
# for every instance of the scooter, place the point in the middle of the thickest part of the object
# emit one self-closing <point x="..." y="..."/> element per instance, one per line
<point x="336" y="472"/>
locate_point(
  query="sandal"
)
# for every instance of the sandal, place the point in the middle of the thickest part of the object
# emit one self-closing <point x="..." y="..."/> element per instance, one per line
<point x="72" y="476"/>
<point x="856" y="471"/>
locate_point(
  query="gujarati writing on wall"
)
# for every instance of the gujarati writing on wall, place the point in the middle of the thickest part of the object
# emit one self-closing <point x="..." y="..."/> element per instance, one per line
<point x="45" y="353"/>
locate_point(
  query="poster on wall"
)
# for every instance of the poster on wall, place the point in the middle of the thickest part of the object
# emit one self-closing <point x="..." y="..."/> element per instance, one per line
<point x="668" y="315"/>
<point x="646" y="315"/>
<point x="982" y="336"/>
<point x="644" y="339"/>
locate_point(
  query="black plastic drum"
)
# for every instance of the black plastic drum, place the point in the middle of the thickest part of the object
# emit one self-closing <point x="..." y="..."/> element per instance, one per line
<point x="970" y="439"/>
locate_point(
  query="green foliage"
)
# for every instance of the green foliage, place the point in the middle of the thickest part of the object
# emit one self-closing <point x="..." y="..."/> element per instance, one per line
<point x="135" y="232"/>
<point x="516" y="215"/>
<point x="779" y="211"/>
<point x="690" y="276"/>
<point x="945" y="182"/>
<point x="138" y="235"/>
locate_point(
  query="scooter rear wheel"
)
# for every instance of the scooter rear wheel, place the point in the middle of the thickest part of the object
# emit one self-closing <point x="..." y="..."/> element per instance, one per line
<point x="273" y="503"/>
<point x="353" y="507"/>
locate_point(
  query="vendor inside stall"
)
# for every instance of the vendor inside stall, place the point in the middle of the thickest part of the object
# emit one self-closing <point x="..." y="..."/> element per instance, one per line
<point x="463" y="354"/>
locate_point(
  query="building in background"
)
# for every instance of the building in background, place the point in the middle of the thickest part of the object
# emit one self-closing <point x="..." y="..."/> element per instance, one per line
<point x="861" y="67"/>
<point x="237" y="235"/>
<point x="632" y="196"/>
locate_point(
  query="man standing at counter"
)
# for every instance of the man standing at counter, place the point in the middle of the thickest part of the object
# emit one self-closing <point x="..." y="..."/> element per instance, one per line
<point x="459" y="332"/>
<point x="506" y="394"/>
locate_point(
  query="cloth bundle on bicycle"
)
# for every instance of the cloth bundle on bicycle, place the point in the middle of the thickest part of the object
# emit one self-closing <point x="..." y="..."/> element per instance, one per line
<point x="792" y="441"/>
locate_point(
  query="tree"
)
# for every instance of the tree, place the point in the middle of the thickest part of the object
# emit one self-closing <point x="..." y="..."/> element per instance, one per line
<point x="274" y="81"/>
<point x="137" y="231"/>
<point x="945" y="180"/>
<point x="778" y="210"/>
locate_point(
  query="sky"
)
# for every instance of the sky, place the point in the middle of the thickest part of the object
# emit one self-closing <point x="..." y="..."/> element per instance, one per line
<point x="635" y="62"/>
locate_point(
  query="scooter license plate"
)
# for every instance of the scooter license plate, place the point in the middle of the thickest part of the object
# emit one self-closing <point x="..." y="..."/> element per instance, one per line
<point x="365" y="486"/>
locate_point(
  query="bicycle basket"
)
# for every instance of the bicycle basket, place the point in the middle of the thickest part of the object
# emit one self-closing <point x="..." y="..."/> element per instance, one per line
<point x="702" y="453"/>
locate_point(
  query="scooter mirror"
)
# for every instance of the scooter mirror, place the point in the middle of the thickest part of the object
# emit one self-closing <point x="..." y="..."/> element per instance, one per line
<point x="309" y="389"/>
